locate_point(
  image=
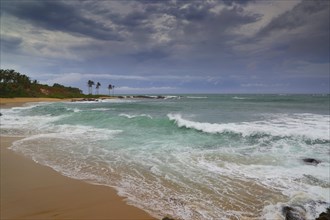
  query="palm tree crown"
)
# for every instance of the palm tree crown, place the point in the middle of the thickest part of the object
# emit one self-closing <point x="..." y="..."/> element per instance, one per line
<point x="90" y="84"/>
<point x="97" y="87"/>
<point x="109" y="87"/>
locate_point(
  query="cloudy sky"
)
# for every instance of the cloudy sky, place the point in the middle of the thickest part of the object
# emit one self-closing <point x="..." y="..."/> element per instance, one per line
<point x="170" y="46"/>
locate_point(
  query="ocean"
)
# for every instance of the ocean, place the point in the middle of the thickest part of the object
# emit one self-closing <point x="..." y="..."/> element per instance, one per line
<point x="189" y="156"/>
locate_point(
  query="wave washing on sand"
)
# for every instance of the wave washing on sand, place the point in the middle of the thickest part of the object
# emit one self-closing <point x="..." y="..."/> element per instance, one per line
<point x="171" y="159"/>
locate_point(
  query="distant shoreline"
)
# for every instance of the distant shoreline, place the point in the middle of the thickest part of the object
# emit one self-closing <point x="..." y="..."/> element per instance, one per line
<point x="19" y="101"/>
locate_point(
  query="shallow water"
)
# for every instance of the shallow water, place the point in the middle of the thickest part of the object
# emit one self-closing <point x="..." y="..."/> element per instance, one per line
<point x="190" y="156"/>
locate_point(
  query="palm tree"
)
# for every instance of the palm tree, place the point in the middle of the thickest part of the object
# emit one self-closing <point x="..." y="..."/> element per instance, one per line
<point x="97" y="87"/>
<point x="110" y="87"/>
<point x="90" y="84"/>
<point x="113" y="90"/>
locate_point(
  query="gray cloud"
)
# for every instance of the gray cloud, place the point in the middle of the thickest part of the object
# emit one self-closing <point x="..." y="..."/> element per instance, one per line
<point x="56" y="15"/>
<point x="188" y="24"/>
<point x="300" y="15"/>
<point x="151" y="39"/>
<point x="312" y="43"/>
<point x="299" y="35"/>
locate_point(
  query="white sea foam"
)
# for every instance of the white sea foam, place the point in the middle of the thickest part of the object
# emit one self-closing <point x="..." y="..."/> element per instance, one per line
<point x="240" y="98"/>
<point x="74" y="109"/>
<point x="72" y="150"/>
<point x="302" y="125"/>
<point x="118" y="101"/>
<point x="196" y="97"/>
<point x="15" y="124"/>
<point x="135" y="115"/>
<point x="288" y="176"/>
<point x="172" y="97"/>
<point x="76" y="133"/>
<point x="101" y="109"/>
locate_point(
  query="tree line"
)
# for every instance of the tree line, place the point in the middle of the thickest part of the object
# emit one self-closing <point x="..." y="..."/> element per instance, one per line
<point x="91" y="83"/>
<point x="15" y="84"/>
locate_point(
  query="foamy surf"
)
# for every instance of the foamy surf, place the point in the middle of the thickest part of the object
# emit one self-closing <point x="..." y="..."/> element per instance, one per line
<point x="302" y="125"/>
<point x="209" y="158"/>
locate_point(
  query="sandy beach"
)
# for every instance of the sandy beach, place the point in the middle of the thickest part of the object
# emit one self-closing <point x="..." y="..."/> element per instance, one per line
<point x="16" y="102"/>
<point x="32" y="191"/>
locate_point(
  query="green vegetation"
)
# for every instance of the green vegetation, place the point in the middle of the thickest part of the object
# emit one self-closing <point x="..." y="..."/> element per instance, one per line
<point x="15" y="84"/>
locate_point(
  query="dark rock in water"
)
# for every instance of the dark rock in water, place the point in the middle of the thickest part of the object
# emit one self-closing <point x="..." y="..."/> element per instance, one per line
<point x="85" y="100"/>
<point x="293" y="213"/>
<point x="142" y="97"/>
<point x="167" y="218"/>
<point x="324" y="215"/>
<point x="0" y="114"/>
<point x="311" y="161"/>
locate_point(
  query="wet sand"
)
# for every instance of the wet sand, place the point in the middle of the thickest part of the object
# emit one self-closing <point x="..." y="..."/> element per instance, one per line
<point x="32" y="191"/>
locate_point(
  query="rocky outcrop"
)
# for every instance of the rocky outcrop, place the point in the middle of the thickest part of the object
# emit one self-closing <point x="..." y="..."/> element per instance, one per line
<point x="142" y="97"/>
<point x="294" y="213"/>
<point x="85" y="100"/>
<point x="298" y="212"/>
<point x="311" y="161"/>
<point x="167" y="218"/>
<point x="324" y="215"/>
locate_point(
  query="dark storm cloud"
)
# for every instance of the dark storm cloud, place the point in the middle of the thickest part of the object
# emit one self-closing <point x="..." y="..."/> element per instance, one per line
<point x="307" y="31"/>
<point x="197" y="28"/>
<point x="56" y="15"/>
<point x="155" y="54"/>
<point x="234" y="42"/>
<point x="203" y="30"/>
<point x="131" y="20"/>
<point x="241" y="2"/>
<point x="198" y="12"/>
<point x="299" y="16"/>
<point x="218" y="25"/>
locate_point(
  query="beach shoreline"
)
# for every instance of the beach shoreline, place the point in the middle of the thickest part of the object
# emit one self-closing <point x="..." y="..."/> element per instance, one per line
<point x="32" y="191"/>
<point x="17" y="102"/>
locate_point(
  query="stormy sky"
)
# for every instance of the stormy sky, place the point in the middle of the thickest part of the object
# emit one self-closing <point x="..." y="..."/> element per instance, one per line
<point x="170" y="46"/>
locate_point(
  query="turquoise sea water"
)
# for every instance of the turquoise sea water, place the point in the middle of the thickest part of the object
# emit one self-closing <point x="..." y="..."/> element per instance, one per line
<point x="188" y="156"/>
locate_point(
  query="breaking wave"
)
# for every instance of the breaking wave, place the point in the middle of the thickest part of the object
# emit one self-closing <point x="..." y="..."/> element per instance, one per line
<point x="307" y="126"/>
